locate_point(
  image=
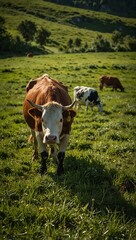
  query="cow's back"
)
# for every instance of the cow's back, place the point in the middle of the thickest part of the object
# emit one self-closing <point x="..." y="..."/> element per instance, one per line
<point x="109" y="80"/>
<point x="42" y="91"/>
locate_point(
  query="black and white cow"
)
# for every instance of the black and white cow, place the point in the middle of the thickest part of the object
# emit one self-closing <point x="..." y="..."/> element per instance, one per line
<point x="87" y="96"/>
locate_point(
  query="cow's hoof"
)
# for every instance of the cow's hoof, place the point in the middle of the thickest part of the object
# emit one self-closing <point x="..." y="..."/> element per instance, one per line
<point x="60" y="170"/>
<point x="43" y="171"/>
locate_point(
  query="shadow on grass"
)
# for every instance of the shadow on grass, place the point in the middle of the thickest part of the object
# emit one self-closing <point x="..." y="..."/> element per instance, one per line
<point x="93" y="185"/>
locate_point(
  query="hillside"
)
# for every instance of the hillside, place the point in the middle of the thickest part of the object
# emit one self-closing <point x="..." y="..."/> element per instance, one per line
<point x="117" y="7"/>
<point x="63" y="22"/>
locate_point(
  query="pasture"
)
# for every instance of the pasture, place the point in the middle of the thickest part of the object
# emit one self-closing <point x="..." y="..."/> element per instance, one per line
<point x="95" y="198"/>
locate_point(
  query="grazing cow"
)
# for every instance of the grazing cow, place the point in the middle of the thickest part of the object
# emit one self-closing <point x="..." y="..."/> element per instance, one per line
<point x="47" y="111"/>
<point x="88" y="96"/>
<point x="110" y="82"/>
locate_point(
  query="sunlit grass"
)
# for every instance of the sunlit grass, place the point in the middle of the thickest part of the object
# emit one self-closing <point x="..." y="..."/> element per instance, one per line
<point x="95" y="199"/>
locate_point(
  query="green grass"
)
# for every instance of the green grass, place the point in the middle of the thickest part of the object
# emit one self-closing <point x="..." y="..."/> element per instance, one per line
<point x="95" y="199"/>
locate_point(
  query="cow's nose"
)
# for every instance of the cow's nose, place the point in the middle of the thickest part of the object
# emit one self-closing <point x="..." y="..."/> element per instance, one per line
<point x="51" y="138"/>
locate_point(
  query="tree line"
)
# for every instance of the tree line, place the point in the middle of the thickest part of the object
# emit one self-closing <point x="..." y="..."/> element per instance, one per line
<point x="29" y="32"/>
<point x="117" y="43"/>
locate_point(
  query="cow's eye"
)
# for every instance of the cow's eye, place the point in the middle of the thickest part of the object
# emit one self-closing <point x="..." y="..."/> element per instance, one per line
<point x="61" y="120"/>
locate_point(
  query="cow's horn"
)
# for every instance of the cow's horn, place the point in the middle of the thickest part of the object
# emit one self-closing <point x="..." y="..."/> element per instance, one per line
<point x="35" y="105"/>
<point x="69" y="106"/>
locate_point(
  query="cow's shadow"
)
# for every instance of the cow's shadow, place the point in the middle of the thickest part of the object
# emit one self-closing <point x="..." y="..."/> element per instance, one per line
<point x="94" y="185"/>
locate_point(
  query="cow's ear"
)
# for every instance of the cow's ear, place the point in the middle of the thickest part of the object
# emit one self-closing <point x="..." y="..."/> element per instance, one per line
<point x="35" y="113"/>
<point x="72" y="113"/>
<point x="69" y="114"/>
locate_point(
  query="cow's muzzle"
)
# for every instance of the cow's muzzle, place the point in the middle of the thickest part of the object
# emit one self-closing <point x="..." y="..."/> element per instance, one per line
<point x="50" y="139"/>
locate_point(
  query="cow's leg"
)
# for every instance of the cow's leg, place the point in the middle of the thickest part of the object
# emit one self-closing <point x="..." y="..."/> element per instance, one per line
<point x="113" y="88"/>
<point x="35" y="154"/>
<point x="100" y="107"/>
<point x="60" y="168"/>
<point x="101" y="86"/>
<point x="44" y="156"/>
<point x="77" y="105"/>
<point x="87" y="104"/>
<point x="43" y="151"/>
<point x="61" y="154"/>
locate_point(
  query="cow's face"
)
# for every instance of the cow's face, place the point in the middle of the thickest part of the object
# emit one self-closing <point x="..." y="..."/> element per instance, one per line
<point x="80" y="94"/>
<point x="52" y="122"/>
<point x="51" y="118"/>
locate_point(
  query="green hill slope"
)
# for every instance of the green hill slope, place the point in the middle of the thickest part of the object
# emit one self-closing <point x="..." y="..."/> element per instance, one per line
<point x="62" y="21"/>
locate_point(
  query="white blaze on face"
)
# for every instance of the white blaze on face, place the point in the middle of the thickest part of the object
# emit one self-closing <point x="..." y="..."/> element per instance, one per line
<point x="52" y="121"/>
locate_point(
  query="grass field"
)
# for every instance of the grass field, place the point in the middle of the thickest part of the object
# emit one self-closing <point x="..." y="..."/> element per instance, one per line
<point x="95" y="198"/>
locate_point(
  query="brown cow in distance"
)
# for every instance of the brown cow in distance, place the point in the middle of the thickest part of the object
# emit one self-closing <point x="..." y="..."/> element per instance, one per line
<point x="109" y="81"/>
<point x="30" y="54"/>
<point x="47" y="111"/>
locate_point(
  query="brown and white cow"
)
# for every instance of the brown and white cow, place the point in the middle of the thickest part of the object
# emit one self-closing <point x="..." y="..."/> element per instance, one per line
<point x="109" y="81"/>
<point x="47" y="111"/>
